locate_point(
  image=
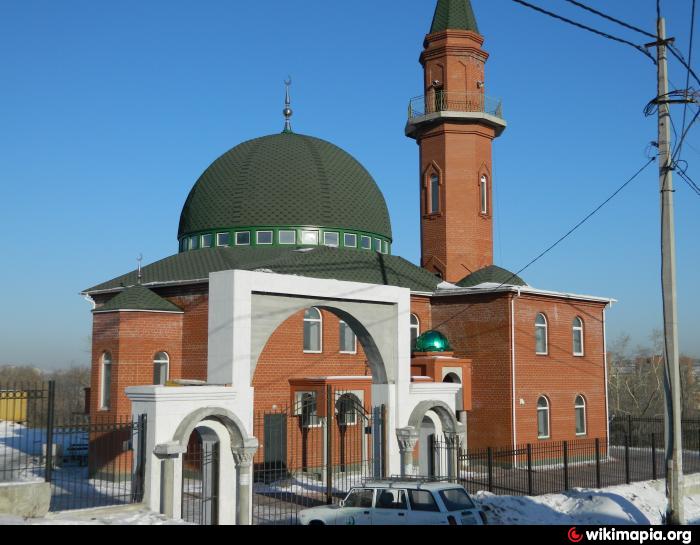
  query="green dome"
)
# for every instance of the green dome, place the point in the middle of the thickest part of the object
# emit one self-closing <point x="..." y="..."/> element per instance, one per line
<point x="432" y="341"/>
<point x="286" y="180"/>
<point x="491" y="275"/>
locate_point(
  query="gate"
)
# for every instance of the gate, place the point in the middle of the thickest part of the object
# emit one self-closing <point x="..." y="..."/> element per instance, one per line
<point x="200" y="478"/>
<point x="313" y="452"/>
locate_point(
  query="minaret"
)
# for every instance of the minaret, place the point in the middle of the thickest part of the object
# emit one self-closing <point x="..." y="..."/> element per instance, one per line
<point x="455" y="123"/>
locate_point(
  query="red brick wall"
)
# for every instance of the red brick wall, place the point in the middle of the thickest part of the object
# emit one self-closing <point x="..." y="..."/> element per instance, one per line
<point x="560" y="375"/>
<point x="479" y="329"/>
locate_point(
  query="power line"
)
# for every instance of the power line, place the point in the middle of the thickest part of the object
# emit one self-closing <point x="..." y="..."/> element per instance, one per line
<point x="563" y="238"/>
<point x="687" y="80"/>
<point x="688" y="180"/>
<point x="609" y="18"/>
<point x="589" y="29"/>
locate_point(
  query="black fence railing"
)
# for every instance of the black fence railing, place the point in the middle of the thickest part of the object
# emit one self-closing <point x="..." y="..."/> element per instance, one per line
<point x="88" y="463"/>
<point x="634" y="453"/>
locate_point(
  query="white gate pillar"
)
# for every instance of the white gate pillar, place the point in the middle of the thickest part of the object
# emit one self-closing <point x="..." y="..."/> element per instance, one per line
<point x="170" y="456"/>
<point x="243" y="458"/>
<point x="408" y="439"/>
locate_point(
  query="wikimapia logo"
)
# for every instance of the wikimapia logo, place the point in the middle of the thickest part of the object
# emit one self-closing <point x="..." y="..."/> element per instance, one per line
<point x="634" y="536"/>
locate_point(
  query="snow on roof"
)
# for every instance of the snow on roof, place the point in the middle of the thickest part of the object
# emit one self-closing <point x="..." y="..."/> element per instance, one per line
<point x="492" y="287"/>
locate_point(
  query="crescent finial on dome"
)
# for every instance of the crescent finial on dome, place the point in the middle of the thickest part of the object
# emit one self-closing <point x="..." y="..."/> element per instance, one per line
<point x="287" y="107"/>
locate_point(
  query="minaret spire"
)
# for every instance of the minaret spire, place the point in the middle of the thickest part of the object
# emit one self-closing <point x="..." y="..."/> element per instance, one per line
<point x="287" y="107"/>
<point x="454" y="15"/>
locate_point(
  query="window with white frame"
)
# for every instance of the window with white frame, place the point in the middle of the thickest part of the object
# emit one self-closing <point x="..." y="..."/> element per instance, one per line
<point x="350" y="240"/>
<point x="288" y="237"/>
<point x="309" y="238"/>
<point x="541" y="335"/>
<point x="580" y="408"/>
<point x="578" y="336"/>
<point x="434" y="207"/>
<point x="415" y="330"/>
<point x="306" y="407"/>
<point x="543" y="431"/>
<point x="347" y="408"/>
<point x="484" y="194"/>
<point x="348" y="339"/>
<point x="207" y="241"/>
<point x="331" y="239"/>
<point x="161" y="368"/>
<point x="264" y="238"/>
<point x="366" y="243"/>
<point x="223" y="239"/>
<point x="106" y="381"/>
<point x="243" y="238"/>
<point x="313" y="330"/>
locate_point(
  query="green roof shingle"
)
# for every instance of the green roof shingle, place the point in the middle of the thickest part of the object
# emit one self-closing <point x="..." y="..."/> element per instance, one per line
<point x="491" y="275"/>
<point x="320" y="262"/>
<point x="454" y="15"/>
<point x="138" y="298"/>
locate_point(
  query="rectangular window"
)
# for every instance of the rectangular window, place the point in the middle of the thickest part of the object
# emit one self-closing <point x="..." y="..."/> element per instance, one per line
<point x="264" y="237"/>
<point x="360" y="497"/>
<point x="434" y="194"/>
<point x="541" y="341"/>
<point x="484" y="195"/>
<point x="350" y="240"/>
<point x="194" y="243"/>
<point x="391" y="498"/>
<point x="243" y="239"/>
<point x="386" y="247"/>
<point x="306" y="407"/>
<point x="366" y="243"/>
<point x="106" y="386"/>
<point x="543" y="424"/>
<point x="331" y="239"/>
<point x="377" y="245"/>
<point x="207" y="241"/>
<point x="223" y="239"/>
<point x="422" y="500"/>
<point x="288" y="237"/>
<point x="580" y="421"/>
<point x="348" y="340"/>
<point x="309" y="238"/>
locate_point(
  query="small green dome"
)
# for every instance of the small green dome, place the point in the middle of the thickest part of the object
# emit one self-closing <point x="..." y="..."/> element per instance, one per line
<point x="432" y="341"/>
<point x="491" y="275"/>
<point x="286" y="180"/>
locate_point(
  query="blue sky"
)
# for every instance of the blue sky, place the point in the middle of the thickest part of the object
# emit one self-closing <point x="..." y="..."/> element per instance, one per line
<point x="110" y="111"/>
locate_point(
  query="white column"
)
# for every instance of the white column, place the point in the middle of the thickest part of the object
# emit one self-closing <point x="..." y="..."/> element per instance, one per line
<point x="408" y="439"/>
<point x="243" y="457"/>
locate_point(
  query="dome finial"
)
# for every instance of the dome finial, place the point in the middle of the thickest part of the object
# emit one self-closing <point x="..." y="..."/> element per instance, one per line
<point x="287" y="107"/>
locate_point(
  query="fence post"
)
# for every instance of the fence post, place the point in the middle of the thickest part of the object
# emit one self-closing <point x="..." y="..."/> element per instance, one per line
<point x="530" y="490"/>
<point x="653" y="456"/>
<point x="384" y="439"/>
<point x="566" y="465"/>
<point x="627" y="460"/>
<point x="50" y="416"/>
<point x="489" y="456"/>
<point x="597" y="464"/>
<point x="329" y="444"/>
<point x="629" y="429"/>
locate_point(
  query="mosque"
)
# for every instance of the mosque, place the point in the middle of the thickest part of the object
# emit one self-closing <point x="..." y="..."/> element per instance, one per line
<point x="285" y="285"/>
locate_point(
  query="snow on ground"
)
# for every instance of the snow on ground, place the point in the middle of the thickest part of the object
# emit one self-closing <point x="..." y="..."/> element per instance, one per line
<point x="636" y="504"/>
<point x="134" y="515"/>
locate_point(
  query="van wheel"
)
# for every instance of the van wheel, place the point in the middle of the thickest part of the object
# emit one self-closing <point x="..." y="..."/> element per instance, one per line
<point x="317" y="523"/>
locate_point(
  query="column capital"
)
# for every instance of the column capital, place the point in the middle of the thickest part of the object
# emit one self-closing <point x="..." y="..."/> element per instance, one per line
<point x="243" y="456"/>
<point x="408" y="438"/>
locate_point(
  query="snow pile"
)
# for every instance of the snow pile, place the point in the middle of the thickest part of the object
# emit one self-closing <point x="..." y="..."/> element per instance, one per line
<point x="110" y="516"/>
<point x="636" y="504"/>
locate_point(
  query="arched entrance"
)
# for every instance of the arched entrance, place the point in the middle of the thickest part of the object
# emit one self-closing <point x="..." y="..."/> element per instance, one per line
<point x="200" y="477"/>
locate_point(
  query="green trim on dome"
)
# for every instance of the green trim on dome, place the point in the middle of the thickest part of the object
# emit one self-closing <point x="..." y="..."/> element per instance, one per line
<point x="454" y="15"/>
<point x="138" y="298"/>
<point x="432" y="341"/>
<point x="285" y="180"/>
<point x="491" y="275"/>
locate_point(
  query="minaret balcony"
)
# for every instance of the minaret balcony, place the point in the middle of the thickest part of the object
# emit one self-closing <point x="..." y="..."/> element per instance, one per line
<point x="454" y="107"/>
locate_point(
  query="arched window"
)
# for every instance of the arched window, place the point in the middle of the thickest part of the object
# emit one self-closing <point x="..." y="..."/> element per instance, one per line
<point x="348" y="339"/>
<point x="484" y="194"/>
<point x="543" y="431"/>
<point x="313" y="327"/>
<point x="161" y="368"/>
<point x="106" y="381"/>
<point x="347" y="408"/>
<point x="415" y="330"/>
<point x="578" y="336"/>
<point x="541" y="341"/>
<point x="434" y="194"/>
<point x="580" y="408"/>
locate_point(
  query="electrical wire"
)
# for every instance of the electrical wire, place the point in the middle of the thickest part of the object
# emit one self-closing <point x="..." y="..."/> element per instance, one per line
<point x="690" y="62"/>
<point x="584" y="27"/>
<point x="609" y="18"/>
<point x="562" y="239"/>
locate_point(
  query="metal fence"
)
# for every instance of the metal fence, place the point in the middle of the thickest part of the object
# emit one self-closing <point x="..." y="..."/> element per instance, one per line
<point x="634" y="453"/>
<point x="313" y="452"/>
<point x="449" y="101"/>
<point x="88" y="463"/>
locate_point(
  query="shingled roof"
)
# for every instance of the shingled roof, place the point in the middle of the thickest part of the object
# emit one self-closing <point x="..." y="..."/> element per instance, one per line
<point x="138" y="298"/>
<point x="454" y="15"/>
<point x="320" y="262"/>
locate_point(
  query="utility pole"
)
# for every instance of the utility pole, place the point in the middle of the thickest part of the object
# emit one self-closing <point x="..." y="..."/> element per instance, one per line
<point x="672" y="377"/>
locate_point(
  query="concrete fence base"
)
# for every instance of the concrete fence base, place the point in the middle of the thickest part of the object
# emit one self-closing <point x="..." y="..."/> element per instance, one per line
<point x="26" y="500"/>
